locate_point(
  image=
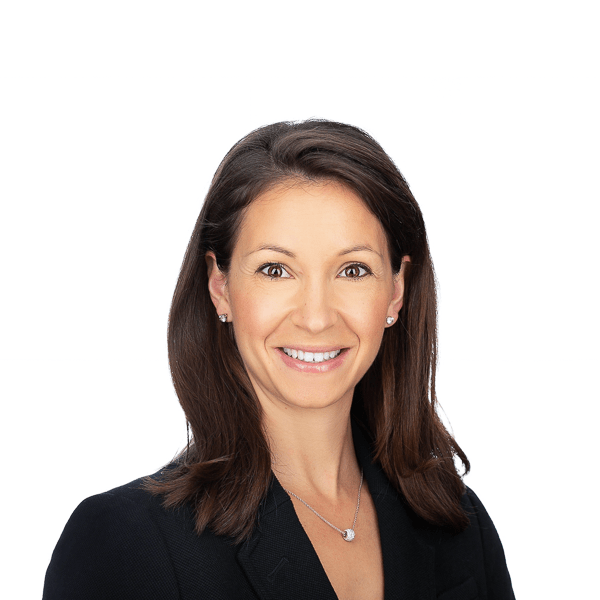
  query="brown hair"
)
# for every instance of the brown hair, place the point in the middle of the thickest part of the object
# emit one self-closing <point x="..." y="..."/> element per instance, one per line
<point x="225" y="470"/>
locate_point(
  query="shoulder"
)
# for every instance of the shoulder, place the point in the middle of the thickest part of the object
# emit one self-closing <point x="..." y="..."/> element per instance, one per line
<point x="112" y="546"/>
<point x="481" y="548"/>
<point x="122" y="508"/>
<point x="470" y="560"/>
<point x="124" y="543"/>
<point x="481" y="524"/>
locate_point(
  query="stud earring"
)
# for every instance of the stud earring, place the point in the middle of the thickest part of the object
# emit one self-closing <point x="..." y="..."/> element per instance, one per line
<point x="223" y="318"/>
<point x="389" y="320"/>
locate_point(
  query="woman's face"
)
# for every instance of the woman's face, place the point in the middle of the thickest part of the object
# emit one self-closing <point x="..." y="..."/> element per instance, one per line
<point x="310" y="273"/>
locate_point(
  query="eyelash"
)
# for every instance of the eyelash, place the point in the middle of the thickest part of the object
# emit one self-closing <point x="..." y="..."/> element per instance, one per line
<point x="359" y="265"/>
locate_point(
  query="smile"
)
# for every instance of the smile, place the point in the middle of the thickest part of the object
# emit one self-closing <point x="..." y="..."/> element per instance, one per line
<point x="311" y="357"/>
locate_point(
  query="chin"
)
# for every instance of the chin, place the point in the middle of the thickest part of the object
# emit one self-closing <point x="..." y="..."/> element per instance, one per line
<point x="317" y="399"/>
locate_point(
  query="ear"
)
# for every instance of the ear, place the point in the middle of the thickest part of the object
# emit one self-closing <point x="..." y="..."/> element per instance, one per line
<point x="217" y="286"/>
<point x="398" y="295"/>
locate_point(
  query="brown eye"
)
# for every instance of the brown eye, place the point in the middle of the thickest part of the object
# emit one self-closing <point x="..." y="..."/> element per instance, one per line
<point x="274" y="271"/>
<point x="356" y="271"/>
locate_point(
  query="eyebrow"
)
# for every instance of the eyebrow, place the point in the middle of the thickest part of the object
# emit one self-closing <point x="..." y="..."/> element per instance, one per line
<point x="281" y="250"/>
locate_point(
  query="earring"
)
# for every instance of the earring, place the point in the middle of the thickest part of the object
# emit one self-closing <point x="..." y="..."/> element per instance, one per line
<point x="389" y="320"/>
<point x="223" y="318"/>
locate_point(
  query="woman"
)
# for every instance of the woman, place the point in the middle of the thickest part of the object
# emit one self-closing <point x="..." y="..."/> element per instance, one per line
<point x="302" y="343"/>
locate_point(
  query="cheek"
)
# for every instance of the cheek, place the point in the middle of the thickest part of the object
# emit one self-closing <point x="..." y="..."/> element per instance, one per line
<point x="367" y="309"/>
<point x="255" y="316"/>
<point x="368" y="322"/>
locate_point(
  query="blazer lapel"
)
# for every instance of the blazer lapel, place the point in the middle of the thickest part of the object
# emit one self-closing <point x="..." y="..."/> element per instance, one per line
<point x="279" y="559"/>
<point x="408" y="561"/>
<point x="281" y="564"/>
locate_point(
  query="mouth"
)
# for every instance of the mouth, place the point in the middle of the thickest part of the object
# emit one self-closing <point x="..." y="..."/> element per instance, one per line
<point x="315" y="356"/>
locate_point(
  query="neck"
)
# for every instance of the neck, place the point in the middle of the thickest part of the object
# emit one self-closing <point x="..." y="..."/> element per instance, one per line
<point x="312" y="450"/>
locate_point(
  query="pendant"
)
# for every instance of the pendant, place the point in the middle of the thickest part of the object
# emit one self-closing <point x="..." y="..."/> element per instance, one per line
<point x="348" y="535"/>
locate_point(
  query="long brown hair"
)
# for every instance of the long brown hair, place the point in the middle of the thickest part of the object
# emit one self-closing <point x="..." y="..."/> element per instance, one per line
<point x="225" y="470"/>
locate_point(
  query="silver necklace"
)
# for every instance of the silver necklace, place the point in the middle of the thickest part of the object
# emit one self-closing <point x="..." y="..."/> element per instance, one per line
<point x="347" y="534"/>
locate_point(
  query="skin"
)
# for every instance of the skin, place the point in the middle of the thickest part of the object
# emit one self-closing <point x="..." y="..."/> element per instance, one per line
<point x="316" y="297"/>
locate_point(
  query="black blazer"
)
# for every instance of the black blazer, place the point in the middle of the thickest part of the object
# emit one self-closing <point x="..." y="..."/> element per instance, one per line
<point x="123" y="545"/>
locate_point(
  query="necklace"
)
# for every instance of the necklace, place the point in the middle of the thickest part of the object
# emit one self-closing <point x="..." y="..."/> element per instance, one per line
<point x="347" y="534"/>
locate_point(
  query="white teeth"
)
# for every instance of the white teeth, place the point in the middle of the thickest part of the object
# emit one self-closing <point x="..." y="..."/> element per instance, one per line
<point x="311" y="356"/>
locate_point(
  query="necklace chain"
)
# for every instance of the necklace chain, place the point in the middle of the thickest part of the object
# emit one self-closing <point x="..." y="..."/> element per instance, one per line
<point x="348" y="534"/>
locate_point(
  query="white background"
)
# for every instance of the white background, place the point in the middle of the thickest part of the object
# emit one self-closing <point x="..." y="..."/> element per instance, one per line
<point x="114" y="116"/>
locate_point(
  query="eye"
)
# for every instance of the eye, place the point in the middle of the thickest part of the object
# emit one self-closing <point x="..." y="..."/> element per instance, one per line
<point x="274" y="271"/>
<point x="356" y="271"/>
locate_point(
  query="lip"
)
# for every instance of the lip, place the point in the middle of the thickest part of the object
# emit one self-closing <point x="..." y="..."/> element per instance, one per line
<point x="323" y="367"/>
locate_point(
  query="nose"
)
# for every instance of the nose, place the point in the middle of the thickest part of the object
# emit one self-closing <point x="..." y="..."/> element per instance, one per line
<point x="315" y="307"/>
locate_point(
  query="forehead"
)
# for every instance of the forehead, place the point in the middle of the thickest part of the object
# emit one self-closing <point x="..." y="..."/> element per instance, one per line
<point x="324" y="215"/>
